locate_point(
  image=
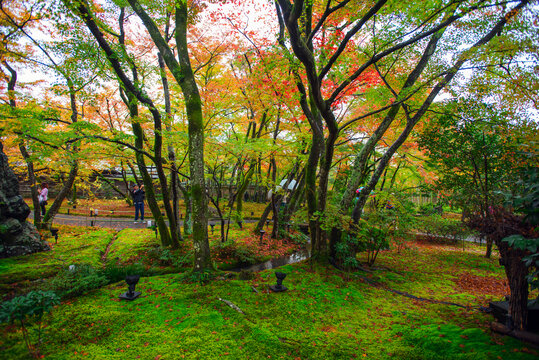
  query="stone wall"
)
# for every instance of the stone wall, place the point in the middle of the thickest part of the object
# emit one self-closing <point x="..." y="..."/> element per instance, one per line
<point x="17" y="236"/>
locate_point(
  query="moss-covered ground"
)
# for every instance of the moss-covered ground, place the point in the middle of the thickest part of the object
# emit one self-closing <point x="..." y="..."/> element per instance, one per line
<point x="101" y="247"/>
<point x="325" y="314"/>
<point x="76" y="245"/>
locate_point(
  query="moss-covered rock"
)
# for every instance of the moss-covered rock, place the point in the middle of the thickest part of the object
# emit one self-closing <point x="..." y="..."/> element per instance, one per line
<point x="17" y="236"/>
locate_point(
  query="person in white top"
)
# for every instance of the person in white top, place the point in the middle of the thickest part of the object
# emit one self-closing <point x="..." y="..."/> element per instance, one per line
<point x="43" y="197"/>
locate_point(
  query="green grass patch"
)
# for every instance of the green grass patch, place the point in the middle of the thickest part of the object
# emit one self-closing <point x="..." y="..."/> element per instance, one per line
<point x="322" y="316"/>
<point x="130" y="245"/>
<point x="75" y="245"/>
<point x="325" y="314"/>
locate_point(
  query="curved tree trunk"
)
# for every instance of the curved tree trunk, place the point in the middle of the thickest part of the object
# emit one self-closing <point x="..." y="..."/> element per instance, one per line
<point x="73" y="169"/>
<point x="188" y="220"/>
<point x="146" y="178"/>
<point x="32" y="181"/>
<point x="174" y="179"/>
<point x="516" y="272"/>
<point x="22" y="147"/>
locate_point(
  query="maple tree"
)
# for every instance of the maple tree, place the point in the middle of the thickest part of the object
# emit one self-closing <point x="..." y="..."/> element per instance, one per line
<point x="478" y="153"/>
<point x="340" y="45"/>
<point x="329" y="102"/>
<point x="34" y="126"/>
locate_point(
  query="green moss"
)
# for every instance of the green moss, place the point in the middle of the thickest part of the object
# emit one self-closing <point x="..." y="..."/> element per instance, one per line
<point x="448" y="341"/>
<point x="131" y="244"/>
<point x="75" y="245"/>
<point x="325" y="314"/>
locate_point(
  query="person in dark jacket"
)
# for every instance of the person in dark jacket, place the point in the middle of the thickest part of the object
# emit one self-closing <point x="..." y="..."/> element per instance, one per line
<point x="138" y="201"/>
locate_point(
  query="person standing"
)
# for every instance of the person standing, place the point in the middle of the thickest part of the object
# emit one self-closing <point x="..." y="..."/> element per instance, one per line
<point x="138" y="201"/>
<point x="43" y="197"/>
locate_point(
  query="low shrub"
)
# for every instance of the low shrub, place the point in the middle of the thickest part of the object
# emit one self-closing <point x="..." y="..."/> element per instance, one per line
<point x="168" y="257"/>
<point x="372" y="240"/>
<point x="246" y="275"/>
<point x="235" y="251"/>
<point x="438" y="229"/>
<point x="76" y="280"/>
<point x="31" y="306"/>
<point x="117" y="272"/>
<point x="346" y="250"/>
<point x="430" y="209"/>
<point x="201" y="277"/>
<point x="297" y="237"/>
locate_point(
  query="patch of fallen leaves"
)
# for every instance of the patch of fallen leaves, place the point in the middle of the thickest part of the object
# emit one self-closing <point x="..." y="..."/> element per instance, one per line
<point x="482" y="285"/>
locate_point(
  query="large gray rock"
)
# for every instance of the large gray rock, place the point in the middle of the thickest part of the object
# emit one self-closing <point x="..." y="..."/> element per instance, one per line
<point x="17" y="236"/>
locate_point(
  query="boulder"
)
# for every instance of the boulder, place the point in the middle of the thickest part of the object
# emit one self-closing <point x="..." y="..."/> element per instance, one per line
<point x="17" y="236"/>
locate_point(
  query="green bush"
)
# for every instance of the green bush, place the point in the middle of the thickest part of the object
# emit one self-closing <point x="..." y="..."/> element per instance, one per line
<point x="438" y="229"/>
<point x="346" y="250"/>
<point x="430" y="209"/>
<point x="167" y="257"/>
<point x="297" y="237"/>
<point x="201" y="277"/>
<point x="76" y="280"/>
<point x="233" y="250"/>
<point x="30" y="306"/>
<point x="372" y="240"/>
<point x="117" y="272"/>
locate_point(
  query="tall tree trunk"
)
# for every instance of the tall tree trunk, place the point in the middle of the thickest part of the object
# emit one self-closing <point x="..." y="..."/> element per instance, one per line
<point x="320" y="247"/>
<point x="135" y="95"/>
<point x="32" y="181"/>
<point x="183" y="73"/>
<point x="22" y="147"/>
<point x="240" y="192"/>
<point x="274" y="198"/>
<point x="174" y="179"/>
<point x="295" y="198"/>
<point x="188" y="220"/>
<point x="193" y="105"/>
<point x="73" y="169"/>
<point x="315" y="154"/>
<point x="146" y="178"/>
<point x="516" y="272"/>
<point x="113" y="187"/>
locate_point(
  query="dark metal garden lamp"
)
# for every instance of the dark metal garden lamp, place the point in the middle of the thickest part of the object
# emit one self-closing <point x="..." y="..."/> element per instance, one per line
<point x="279" y="286"/>
<point x="267" y="222"/>
<point x="212" y="225"/>
<point x="54" y="232"/>
<point x="131" y="294"/>
<point x="262" y="232"/>
<point x="240" y="223"/>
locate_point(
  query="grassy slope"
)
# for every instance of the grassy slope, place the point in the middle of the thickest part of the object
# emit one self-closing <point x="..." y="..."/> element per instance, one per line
<point x="324" y="315"/>
<point x="76" y="245"/>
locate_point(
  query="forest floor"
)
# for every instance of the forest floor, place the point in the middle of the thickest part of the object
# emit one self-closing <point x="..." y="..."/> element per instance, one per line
<point x="325" y="314"/>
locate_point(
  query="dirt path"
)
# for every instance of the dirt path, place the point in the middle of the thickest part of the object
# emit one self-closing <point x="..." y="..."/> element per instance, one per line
<point x="106" y="222"/>
<point x="109" y="245"/>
